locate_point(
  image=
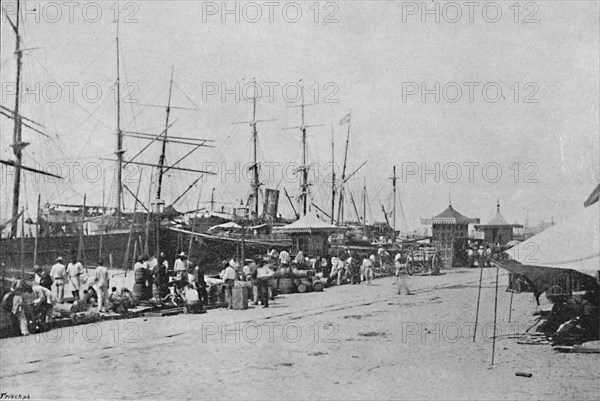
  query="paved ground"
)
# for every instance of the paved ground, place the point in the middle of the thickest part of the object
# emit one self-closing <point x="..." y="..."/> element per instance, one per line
<point x="349" y="342"/>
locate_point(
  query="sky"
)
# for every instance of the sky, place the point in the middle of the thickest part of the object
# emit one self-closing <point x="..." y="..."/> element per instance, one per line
<point x="422" y="91"/>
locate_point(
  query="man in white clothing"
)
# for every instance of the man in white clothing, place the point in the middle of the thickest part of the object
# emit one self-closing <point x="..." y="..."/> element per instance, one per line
<point x="58" y="273"/>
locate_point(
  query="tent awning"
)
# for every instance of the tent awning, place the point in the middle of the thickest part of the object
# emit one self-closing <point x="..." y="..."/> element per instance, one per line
<point x="225" y="226"/>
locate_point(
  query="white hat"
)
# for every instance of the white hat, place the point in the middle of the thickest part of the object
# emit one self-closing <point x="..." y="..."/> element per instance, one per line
<point x="182" y="255"/>
<point x="59" y="259"/>
<point x="233" y="264"/>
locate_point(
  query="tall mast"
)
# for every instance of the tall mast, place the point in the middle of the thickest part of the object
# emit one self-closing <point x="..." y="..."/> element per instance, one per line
<point x="303" y="127"/>
<point x="254" y="125"/>
<point x="161" y="160"/>
<point x="120" y="150"/>
<point x="332" y="176"/>
<point x="394" y="185"/>
<point x="256" y="182"/>
<point x="364" y="204"/>
<point x="304" y="168"/>
<point x="17" y="145"/>
<point x="341" y="204"/>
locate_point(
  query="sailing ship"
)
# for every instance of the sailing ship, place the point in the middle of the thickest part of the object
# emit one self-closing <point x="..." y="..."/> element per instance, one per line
<point x="91" y="232"/>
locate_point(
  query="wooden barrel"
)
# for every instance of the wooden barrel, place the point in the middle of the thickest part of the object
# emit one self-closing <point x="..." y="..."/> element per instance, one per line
<point x="286" y="285"/>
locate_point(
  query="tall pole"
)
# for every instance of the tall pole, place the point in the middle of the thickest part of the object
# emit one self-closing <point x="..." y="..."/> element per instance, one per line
<point x="120" y="149"/>
<point x="364" y="205"/>
<point x="194" y="225"/>
<point x="394" y="184"/>
<point x="148" y="219"/>
<point x="37" y="231"/>
<point x="22" y="243"/>
<point x="80" y="251"/>
<point x="304" y="167"/>
<point x="161" y="160"/>
<point x="478" y="299"/>
<point x="332" y="176"/>
<point x="102" y="219"/>
<point x="256" y="182"/>
<point x="17" y="145"/>
<point x="341" y="204"/>
<point x="495" y="314"/>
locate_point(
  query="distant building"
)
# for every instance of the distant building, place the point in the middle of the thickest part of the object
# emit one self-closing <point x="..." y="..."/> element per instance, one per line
<point x="449" y="235"/>
<point x="498" y="231"/>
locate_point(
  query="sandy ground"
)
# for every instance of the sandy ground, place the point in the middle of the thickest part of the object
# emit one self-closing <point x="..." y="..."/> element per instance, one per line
<point x="349" y="342"/>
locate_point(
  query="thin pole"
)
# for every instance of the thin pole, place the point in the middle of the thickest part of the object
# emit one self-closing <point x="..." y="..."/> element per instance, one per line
<point x="364" y="205"/>
<point x="256" y="183"/>
<point x="37" y="231"/>
<point x="304" y="167"/>
<point x="148" y="222"/>
<point x="495" y="314"/>
<point x="126" y="259"/>
<point x="18" y="145"/>
<point x="510" y="306"/>
<point x="243" y="244"/>
<point x="394" y="184"/>
<point x="22" y="243"/>
<point x="478" y="299"/>
<point x="120" y="150"/>
<point x="80" y="248"/>
<point x="341" y="203"/>
<point x="102" y="218"/>
<point x="194" y="224"/>
<point x="161" y="160"/>
<point x="332" y="176"/>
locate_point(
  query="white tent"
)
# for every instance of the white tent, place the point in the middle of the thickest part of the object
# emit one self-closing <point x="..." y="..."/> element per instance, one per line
<point x="572" y="245"/>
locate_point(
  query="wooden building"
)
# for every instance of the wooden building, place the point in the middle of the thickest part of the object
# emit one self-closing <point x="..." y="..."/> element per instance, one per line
<point x="497" y="231"/>
<point x="309" y="234"/>
<point x="449" y="236"/>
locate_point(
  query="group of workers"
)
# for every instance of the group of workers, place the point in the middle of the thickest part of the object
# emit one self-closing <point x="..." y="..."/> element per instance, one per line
<point x="258" y="272"/>
<point x="184" y="281"/>
<point x="31" y="304"/>
<point x="482" y="255"/>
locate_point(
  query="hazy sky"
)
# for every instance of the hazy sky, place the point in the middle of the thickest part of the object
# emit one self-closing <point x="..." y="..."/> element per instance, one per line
<point x="542" y="134"/>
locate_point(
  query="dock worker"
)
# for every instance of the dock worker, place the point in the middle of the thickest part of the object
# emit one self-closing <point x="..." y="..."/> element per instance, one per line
<point x="284" y="258"/>
<point x="471" y="257"/>
<point x="488" y="256"/>
<point x="182" y="266"/>
<point x="262" y="276"/>
<point x="74" y="272"/>
<point x="45" y="301"/>
<point x="229" y="277"/>
<point x="140" y="276"/>
<point x="367" y="267"/>
<point x="101" y="283"/>
<point x="481" y="256"/>
<point x="42" y="277"/>
<point x="58" y="273"/>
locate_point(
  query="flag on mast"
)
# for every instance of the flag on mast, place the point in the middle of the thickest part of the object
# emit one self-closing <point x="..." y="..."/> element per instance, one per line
<point x="345" y="120"/>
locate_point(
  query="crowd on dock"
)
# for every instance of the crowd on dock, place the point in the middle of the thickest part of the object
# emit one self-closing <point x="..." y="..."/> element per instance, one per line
<point x="183" y="283"/>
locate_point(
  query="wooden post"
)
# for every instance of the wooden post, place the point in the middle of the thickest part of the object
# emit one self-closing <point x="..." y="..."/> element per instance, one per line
<point x="194" y="224"/>
<point x="495" y="314"/>
<point x="80" y="248"/>
<point x="126" y="259"/>
<point x="510" y="306"/>
<point x="478" y="299"/>
<point x="37" y="231"/>
<point x="102" y="220"/>
<point x="22" y="243"/>
<point x="148" y="221"/>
